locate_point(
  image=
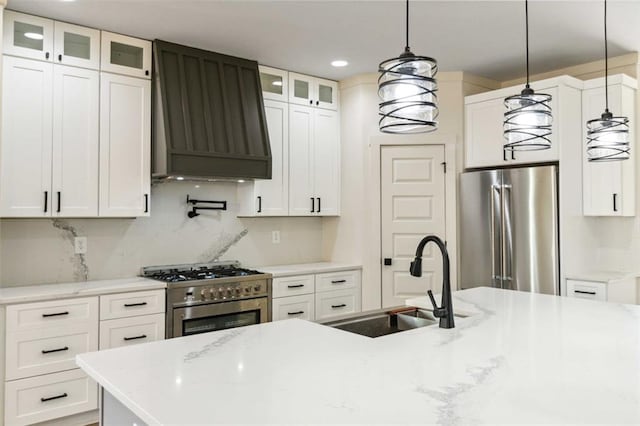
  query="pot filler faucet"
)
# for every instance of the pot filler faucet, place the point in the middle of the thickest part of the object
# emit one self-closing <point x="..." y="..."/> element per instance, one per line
<point x="445" y="312"/>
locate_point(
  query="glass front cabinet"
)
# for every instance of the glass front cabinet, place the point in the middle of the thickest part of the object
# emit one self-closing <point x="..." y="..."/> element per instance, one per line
<point x="125" y="55"/>
<point x="27" y="36"/>
<point x="77" y="46"/>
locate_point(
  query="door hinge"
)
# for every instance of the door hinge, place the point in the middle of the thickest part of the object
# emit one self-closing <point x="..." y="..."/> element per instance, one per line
<point x="444" y="166"/>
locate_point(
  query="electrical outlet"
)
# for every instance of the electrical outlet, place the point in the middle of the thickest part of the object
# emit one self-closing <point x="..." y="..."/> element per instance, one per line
<point x="275" y="237"/>
<point x="80" y="245"/>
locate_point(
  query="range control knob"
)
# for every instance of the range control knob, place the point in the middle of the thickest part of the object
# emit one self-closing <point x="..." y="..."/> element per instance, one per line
<point x="212" y="294"/>
<point x="247" y="290"/>
<point x="203" y="294"/>
<point x="257" y="288"/>
<point x="229" y="292"/>
<point x="238" y="291"/>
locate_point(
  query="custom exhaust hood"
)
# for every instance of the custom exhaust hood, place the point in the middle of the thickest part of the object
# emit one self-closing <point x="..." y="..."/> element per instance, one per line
<point x="209" y="119"/>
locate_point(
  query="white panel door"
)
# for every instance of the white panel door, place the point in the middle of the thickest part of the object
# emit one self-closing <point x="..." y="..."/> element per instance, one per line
<point x="272" y="196"/>
<point x="25" y="153"/>
<point x="27" y="36"/>
<point x="77" y="46"/>
<point x="125" y="146"/>
<point x="326" y="159"/>
<point x="301" y="167"/>
<point x="76" y="94"/>
<point x="413" y="206"/>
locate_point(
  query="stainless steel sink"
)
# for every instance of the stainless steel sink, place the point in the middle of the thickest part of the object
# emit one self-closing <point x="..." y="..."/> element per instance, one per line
<point x="384" y="322"/>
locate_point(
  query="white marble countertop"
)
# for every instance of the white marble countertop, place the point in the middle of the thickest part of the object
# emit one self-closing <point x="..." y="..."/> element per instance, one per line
<point x="520" y="358"/>
<point x="307" y="268"/>
<point x="35" y="293"/>
<point x="601" y="276"/>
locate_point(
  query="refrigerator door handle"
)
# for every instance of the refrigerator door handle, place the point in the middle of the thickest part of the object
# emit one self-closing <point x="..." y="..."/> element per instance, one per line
<point x="507" y="238"/>
<point x="495" y="190"/>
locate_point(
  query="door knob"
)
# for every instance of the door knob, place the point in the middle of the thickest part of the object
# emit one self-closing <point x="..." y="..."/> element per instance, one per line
<point x="387" y="261"/>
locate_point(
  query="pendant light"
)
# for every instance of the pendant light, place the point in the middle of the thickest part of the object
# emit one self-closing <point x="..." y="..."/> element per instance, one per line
<point x="607" y="136"/>
<point x="407" y="90"/>
<point x="527" y="122"/>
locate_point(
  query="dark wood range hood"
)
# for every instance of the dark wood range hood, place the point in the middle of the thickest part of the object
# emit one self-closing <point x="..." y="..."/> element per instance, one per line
<point x="209" y="120"/>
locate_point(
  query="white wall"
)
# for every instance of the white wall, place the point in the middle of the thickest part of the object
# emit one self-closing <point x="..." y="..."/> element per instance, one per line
<point x="36" y="251"/>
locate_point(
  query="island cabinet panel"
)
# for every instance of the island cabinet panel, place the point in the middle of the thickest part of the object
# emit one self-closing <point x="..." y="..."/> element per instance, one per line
<point x="214" y="119"/>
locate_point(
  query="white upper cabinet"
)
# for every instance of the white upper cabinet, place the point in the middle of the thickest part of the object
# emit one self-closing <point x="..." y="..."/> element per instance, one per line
<point x="312" y="91"/>
<point x="26" y="150"/>
<point x="125" y="55"/>
<point x="125" y="146"/>
<point x="275" y="84"/>
<point x="76" y="46"/>
<point x="609" y="187"/>
<point x="27" y="36"/>
<point x="484" y="134"/>
<point x="326" y="158"/>
<point x="301" y="166"/>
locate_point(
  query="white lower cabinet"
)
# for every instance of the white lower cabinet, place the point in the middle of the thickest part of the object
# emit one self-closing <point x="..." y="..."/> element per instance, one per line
<point x="47" y="397"/>
<point x="336" y="303"/>
<point x="131" y="330"/>
<point x="300" y="307"/>
<point x="606" y="290"/>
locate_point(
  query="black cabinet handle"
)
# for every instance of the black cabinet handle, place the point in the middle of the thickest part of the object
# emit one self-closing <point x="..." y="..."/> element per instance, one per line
<point x="146" y="72"/>
<point x="259" y="204"/>
<point x="313" y="205"/>
<point x="615" y="202"/>
<point x="317" y="102"/>
<point x="64" y="395"/>
<point x="46" y="200"/>
<point x="342" y="305"/>
<point x="310" y="101"/>
<point x="338" y="282"/>
<point x="129" y="305"/>
<point x="57" y="314"/>
<point x="295" y="313"/>
<point x="46" y="55"/>
<point x="146" y="203"/>
<point x="50" y="351"/>
<point x="592" y="293"/>
<point x="388" y="261"/>
<point x="59" y="203"/>
<point x="513" y="154"/>
<point x="295" y="286"/>
<point x="319" y="206"/>
<point x="504" y="154"/>
<point x="60" y="58"/>
<point x="142" y="336"/>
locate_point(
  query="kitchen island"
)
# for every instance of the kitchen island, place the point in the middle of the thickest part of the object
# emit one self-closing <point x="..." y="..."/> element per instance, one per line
<point x="518" y="358"/>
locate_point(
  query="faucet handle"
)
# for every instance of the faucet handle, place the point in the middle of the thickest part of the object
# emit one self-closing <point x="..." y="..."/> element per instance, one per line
<point x="437" y="312"/>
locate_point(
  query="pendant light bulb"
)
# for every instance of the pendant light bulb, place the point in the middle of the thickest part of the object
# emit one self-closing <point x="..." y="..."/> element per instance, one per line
<point x="527" y="122"/>
<point x="407" y="90"/>
<point x="607" y="136"/>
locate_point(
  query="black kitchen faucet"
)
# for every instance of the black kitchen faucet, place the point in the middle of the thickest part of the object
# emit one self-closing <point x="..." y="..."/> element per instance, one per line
<point x="444" y="312"/>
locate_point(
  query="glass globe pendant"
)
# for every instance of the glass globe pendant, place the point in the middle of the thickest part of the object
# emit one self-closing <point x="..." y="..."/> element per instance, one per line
<point x="607" y="136"/>
<point x="407" y="90"/>
<point x="527" y="122"/>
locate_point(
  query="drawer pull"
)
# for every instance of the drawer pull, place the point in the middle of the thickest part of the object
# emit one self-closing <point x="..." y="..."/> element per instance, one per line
<point x="51" y="398"/>
<point x="142" y="336"/>
<point x="50" y="351"/>
<point x="342" y="305"/>
<point x="338" y="282"/>
<point x="57" y="314"/>
<point x="129" y="305"/>
<point x="295" y="313"/>
<point x="593" y="293"/>
<point x="295" y="286"/>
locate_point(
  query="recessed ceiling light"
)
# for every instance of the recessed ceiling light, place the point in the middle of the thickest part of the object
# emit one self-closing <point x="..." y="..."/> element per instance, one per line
<point x="240" y="180"/>
<point x="179" y="178"/>
<point x="339" y="63"/>
<point x="34" y="36"/>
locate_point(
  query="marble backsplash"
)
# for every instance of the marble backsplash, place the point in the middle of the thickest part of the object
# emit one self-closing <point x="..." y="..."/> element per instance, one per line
<point x="34" y="251"/>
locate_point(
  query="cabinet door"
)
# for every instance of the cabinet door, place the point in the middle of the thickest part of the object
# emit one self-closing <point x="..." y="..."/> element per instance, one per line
<point x="125" y="146"/>
<point x="125" y="55"/>
<point x="326" y="94"/>
<point x="275" y="84"/>
<point x="326" y="162"/>
<point x="77" y="46"/>
<point x="76" y="94"/>
<point x="272" y="196"/>
<point x="301" y="167"/>
<point x="301" y="89"/>
<point x="25" y="152"/>
<point x="484" y="134"/>
<point x="27" y="36"/>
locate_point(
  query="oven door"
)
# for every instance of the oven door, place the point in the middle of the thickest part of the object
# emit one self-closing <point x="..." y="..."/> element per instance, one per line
<point x="219" y="316"/>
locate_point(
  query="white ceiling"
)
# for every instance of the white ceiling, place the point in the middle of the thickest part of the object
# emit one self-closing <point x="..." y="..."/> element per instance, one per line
<point x="481" y="37"/>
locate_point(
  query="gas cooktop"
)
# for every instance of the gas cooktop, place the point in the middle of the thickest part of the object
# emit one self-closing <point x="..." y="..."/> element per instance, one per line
<point x="196" y="272"/>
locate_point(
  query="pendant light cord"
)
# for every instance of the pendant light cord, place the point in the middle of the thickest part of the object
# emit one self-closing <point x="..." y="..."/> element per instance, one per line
<point x="406" y="48"/>
<point x="526" y="14"/>
<point x="606" y="61"/>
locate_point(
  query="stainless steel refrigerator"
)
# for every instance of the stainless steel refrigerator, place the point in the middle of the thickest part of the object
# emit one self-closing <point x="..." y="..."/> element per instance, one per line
<point x="509" y="229"/>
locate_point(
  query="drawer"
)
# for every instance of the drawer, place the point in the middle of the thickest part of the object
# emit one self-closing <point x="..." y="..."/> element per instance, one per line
<point x="337" y="280"/>
<point x="301" y="307"/>
<point x="587" y="290"/>
<point x="335" y="303"/>
<point x="48" y="397"/>
<point x="57" y="313"/>
<point x="293" y="286"/>
<point x="130" y="331"/>
<point x="31" y="353"/>
<point x="123" y="305"/>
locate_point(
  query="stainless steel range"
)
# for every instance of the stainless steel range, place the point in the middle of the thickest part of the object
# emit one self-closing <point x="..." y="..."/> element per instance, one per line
<point x="212" y="296"/>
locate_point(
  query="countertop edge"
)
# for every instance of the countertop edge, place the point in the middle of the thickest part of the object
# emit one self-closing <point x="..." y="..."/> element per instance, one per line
<point x="279" y="271"/>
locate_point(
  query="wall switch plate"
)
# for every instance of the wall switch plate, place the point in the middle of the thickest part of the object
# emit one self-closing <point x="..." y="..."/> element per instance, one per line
<point x="275" y="237"/>
<point x="80" y="245"/>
